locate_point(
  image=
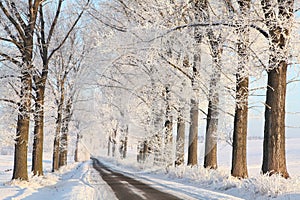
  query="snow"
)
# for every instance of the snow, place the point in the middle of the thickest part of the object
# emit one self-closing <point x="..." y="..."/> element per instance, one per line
<point x="75" y="181"/>
<point x="81" y="181"/>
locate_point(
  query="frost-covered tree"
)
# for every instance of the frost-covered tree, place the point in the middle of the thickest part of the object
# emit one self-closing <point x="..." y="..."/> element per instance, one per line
<point x="65" y="81"/>
<point x="279" y="18"/>
<point x="18" y="22"/>
<point x="239" y="143"/>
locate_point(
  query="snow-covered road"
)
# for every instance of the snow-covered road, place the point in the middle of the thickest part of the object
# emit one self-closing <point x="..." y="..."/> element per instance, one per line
<point x="180" y="190"/>
<point x="126" y="187"/>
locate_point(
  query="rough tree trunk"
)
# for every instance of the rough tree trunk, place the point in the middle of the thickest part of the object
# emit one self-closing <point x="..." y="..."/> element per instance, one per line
<point x="63" y="154"/>
<point x="125" y="148"/>
<point x="25" y="34"/>
<point x="76" y="154"/>
<point x="211" y="137"/>
<point x="239" y="146"/>
<point x="180" y="141"/>
<point x="37" y="152"/>
<point x="114" y="141"/>
<point x="20" y="157"/>
<point x="193" y="134"/>
<point x="194" y="113"/>
<point x="274" y="159"/>
<point x="125" y="143"/>
<point x="168" y="148"/>
<point x="108" y="146"/>
<point x="56" y="145"/>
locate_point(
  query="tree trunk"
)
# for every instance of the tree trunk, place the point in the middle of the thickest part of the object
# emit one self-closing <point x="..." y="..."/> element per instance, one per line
<point x="108" y="146"/>
<point x="76" y="156"/>
<point x="114" y="141"/>
<point x="25" y="45"/>
<point x="113" y="148"/>
<point x="239" y="146"/>
<point x="193" y="134"/>
<point x="20" y="157"/>
<point x="63" y="154"/>
<point x="125" y="142"/>
<point x="168" y="148"/>
<point x="55" y="158"/>
<point x="194" y="112"/>
<point x="274" y="160"/>
<point x="125" y="148"/>
<point x="37" y="153"/>
<point x="211" y="137"/>
<point x="180" y="141"/>
<point x="56" y="146"/>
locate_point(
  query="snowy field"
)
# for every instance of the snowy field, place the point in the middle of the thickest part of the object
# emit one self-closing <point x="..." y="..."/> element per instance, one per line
<point x="81" y="181"/>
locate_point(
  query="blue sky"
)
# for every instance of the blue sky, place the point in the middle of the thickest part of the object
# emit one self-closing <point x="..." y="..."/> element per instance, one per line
<point x="256" y="115"/>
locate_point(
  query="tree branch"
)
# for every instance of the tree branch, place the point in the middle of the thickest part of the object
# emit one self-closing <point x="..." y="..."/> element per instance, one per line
<point x="9" y="101"/>
<point x="176" y="67"/>
<point x="263" y="32"/>
<point x="11" y="41"/>
<point x="69" y="32"/>
<point x="13" y="21"/>
<point x="18" y="16"/>
<point x="51" y="31"/>
<point x="16" y="62"/>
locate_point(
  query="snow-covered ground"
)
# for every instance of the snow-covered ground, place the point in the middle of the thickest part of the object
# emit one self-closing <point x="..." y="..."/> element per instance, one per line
<point x="76" y="181"/>
<point x="81" y="181"/>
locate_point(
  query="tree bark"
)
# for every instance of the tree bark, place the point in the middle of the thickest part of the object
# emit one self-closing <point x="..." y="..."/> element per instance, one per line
<point x="20" y="156"/>
<point x="193" y="134"/>
<point x="180" y="141"/>
<point x="108" y="146"/>
<point x="274" y="159"/>
<point x="168" y="148"/>
<point x="125" y="147"/>
<point x="194" y="112"/>
<point x="24" y="43"/>
<point x="76" y="154"/>
<point x="239" y="146"/>
<point x="37" y="153"/>
<point x="56" y="145"/>
<point x="125" y="142"/>
<point x="63" y="154"/>
<point x="211" y="136"/>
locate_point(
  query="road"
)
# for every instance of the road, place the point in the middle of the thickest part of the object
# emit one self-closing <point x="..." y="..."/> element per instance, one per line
<point x="126" y="188"/>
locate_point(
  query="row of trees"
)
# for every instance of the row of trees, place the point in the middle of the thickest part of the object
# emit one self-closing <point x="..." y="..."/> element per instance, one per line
<point x="40" y="49"/>
<point x="152" y="64"/>
<point x="170" y="56"/>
